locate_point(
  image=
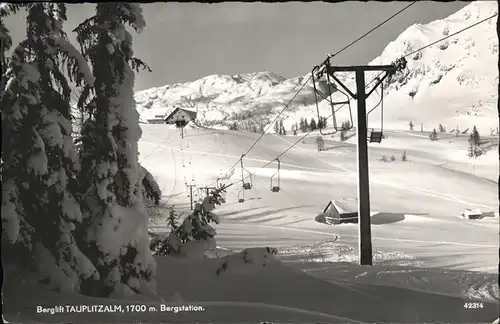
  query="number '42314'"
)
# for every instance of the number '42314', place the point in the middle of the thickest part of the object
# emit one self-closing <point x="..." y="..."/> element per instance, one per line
<point x="473" y="305"/>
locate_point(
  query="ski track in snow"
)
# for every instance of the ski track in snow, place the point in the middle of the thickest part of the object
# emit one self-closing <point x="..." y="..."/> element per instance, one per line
<point x="339" y="236"/>
<point x="394" y="185"/>
<point x="420" y="237"/>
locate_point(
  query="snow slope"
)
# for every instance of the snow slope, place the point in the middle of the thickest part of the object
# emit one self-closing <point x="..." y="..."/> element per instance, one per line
<point x="453" y="83"/>
<point x="415" y="204"/>
<point x="251" y="286"/>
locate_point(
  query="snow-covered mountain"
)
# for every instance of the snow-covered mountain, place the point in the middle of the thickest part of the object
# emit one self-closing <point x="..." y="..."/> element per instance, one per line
<point x="453" y="82"/>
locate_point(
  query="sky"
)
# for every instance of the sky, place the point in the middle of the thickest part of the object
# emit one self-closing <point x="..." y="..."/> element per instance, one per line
<point x="187" y="41"/>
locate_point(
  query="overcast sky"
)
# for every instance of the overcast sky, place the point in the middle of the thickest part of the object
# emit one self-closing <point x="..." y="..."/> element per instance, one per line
<point x="187" y="41"/>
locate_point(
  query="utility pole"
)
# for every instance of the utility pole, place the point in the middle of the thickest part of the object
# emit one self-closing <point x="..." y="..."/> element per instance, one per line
<point x="191" y="186"/>
<point x="207" y="190"/>
<point x="421" y="127"/>
<point x="365" y="240"/>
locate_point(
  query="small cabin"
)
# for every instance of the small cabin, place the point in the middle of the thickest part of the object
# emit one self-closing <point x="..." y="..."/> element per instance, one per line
<point x="335" y="214"/>
<point x="180" y="117"/>
<point x="158" y="119"/>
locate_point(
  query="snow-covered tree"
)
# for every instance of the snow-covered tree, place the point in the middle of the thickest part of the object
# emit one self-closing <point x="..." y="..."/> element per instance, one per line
<point x="194" y="236"/>
<point x="282" y="128"/>
<point x="40" y="211"/>
<point x="151" y="189"/>
<point x="433" y="136"/>
<point x="116" y="236"/>
<point x="306" y="125"/>
<point x="475" y="149"/>
<point x="313" y="125"/>
<point x="277" y="129"/>
<point x="476" y="138"/>
<point x="302" y="124"/>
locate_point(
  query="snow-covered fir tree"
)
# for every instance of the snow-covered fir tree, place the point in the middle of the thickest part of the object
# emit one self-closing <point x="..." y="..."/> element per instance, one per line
<point x="40" y="211"/>
<point x="277" y="129"/>
<point x="194" y="236"/>
<point x="116" y="234"/>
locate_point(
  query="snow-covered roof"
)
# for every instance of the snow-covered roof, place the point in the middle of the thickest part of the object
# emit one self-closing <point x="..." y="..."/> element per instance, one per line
<point x="191" y="114"/>
<point x="341" y="207"/>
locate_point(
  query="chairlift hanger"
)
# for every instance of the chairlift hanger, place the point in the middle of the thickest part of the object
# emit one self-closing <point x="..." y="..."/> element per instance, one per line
<point x="317" y="75"/>
<point x="276" y="188"/>
<point x="241" y="196"/>
<point x="376" y="136"/>
<point x="246" y="185"/>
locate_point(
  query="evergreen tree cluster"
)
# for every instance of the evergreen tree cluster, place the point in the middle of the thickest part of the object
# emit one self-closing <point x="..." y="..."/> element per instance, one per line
<point x="64" y="201"/>
<point x="311" y="125"/>
<point x="247" y="125"/>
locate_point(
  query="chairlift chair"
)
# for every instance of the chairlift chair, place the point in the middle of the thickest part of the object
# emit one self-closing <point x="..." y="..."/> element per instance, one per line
<point x="277" y="173"/>
<point x="246" y="185"/>
<point x="328" y="97"/>
<point x="375" y="136"/>
<point x="241" y="196"/>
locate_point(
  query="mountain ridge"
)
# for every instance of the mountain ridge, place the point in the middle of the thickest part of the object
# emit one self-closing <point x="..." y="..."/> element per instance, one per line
<point x="449" y="83"/>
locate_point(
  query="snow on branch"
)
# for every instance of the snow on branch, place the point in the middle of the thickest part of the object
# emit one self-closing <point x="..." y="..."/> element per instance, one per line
<point x="73" y="53"/>
<point x="194" y="236"/>
<point x="138" y="18"/>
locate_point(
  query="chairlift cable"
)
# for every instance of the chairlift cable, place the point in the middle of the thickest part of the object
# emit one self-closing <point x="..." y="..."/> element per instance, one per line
<point x="338" y="52"/>
<point x="409" y="54"/>
<point x="451" y="35"/>
<point x="310" y="77"/>
<point x="270" y="125"/>
<point x="371" y="30"/>
<point x="293" y="144"/>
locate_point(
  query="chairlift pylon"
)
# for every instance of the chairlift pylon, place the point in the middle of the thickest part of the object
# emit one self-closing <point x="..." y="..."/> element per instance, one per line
<point x="246" y="185"/>
<point x="277" y="173"/>
<point x="316" y="75"/>
<point x="377" y="136"/>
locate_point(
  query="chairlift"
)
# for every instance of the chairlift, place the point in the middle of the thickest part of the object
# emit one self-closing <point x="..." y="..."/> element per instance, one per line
<point x="241" y="196"/>
<point x="326" y="94"/>
<point x="277" y="173"/>
<point x="377" y="136"/>
<point x="246" y="185"/>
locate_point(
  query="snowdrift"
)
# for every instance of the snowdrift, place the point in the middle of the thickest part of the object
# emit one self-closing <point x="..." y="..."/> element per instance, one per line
<point x="246" y="287"/>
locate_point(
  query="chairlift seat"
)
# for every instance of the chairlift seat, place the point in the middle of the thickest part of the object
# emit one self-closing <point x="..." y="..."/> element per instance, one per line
<point x="376" y="137"/>
<point x="275" y="189"/>
<point x="247" y="186"/>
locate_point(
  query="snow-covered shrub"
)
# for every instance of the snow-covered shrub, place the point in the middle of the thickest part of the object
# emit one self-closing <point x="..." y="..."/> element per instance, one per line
<point x="194" y="236"/>
<point x="247" y="260"/>
<point x="444" y="46"/>
<point x="404" y="156"/>
<point x="433" y="136"/>
<point x="150" y="189"/>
